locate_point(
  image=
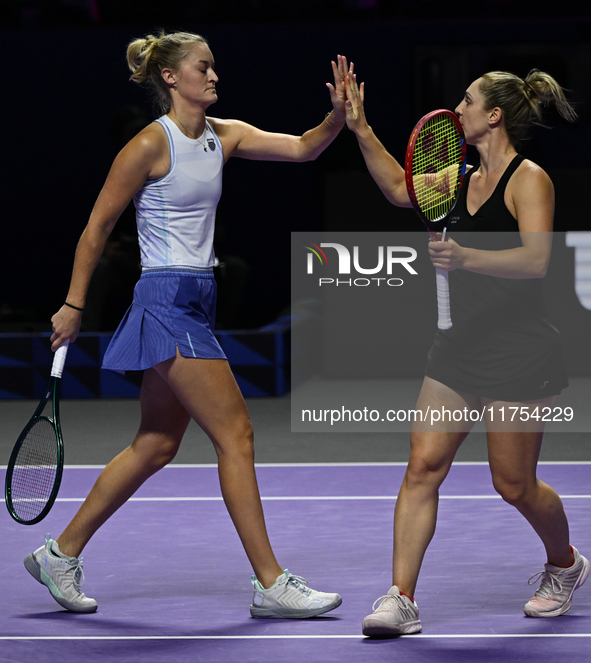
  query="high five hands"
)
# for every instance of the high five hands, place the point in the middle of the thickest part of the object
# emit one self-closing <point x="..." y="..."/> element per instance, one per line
<point x="354" y="106"/>
<point x="338" y="94"/>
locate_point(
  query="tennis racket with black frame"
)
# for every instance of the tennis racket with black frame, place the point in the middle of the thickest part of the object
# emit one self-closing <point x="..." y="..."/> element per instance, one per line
<point x="35" y="467"/>
<point x="435" y="166"/>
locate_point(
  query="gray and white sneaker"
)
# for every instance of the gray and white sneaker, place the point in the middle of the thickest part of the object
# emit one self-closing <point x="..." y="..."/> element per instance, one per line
<point x="395" y="614"/>
<point x="62" y="575"/>
<point x="554" y="595"/>
<point x="290" y="598"/>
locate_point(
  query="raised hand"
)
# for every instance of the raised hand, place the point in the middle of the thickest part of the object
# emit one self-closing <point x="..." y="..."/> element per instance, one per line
<point x="338" y="94"/>
<point x="355" y="113"/>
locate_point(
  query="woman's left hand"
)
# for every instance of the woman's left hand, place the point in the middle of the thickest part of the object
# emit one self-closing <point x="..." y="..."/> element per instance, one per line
<point x="447" y="255"/>
<point x="338" y="95"/>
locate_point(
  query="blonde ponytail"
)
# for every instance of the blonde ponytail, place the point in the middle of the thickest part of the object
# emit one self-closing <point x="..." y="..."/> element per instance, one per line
<point x="549" y="92"/>
<point x="523" y="100"/>
<point x="139" y="52"/>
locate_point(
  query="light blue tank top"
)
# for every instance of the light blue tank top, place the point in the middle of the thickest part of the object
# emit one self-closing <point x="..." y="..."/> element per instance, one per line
<point x="176" y="214"/>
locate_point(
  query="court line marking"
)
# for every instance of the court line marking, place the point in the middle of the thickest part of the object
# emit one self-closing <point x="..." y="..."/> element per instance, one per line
<point x="295" y="498"/>
<point x="355" y="464"/>
<point x="450" y="636"/>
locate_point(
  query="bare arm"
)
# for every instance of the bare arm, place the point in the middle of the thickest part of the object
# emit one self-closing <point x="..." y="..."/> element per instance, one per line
<point x="530" y="197"/>
<point x="240" y="139"/>
<point x="136" y="163"/>
<point x="383" y="167"/>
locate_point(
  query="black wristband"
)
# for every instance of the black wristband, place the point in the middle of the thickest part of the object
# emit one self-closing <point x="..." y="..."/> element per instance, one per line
<point x="76" y="308"/>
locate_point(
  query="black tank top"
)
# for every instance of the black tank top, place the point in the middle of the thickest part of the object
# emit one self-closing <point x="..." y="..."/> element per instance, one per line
<point x="499" y="331"/>
<point x="493" y="214"/>
<point x="481" y="299"/>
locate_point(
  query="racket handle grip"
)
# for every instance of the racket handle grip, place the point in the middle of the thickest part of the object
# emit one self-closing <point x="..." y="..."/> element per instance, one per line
<point x="59" y="359"/>
<point x="443" y="305"/>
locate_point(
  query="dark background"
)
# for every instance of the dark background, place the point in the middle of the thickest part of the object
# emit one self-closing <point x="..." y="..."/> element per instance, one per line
<point x="66" y="84"/>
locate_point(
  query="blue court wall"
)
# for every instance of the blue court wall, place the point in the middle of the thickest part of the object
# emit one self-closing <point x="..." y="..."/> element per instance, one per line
<point x="259" y="360"/>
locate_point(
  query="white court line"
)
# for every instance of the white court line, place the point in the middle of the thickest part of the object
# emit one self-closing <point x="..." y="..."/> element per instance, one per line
<point x="393" y="464"/>
<point x="289" y="498"/>
<point x="311" y="497"/>
<point x="450" y="636"/>
<point x="173" y="466"/>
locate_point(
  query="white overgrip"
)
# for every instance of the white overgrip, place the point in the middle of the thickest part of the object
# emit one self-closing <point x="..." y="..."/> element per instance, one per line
<point x="59" y="360"/>
<point x="443" y="305"/>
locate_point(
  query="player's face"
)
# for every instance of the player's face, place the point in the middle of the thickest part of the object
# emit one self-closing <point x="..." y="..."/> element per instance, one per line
<point x="196" y="78"/>
<point x="471" y="112"/>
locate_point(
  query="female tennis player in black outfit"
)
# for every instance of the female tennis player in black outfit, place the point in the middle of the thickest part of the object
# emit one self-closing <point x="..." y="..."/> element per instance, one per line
<point x="500" y="351"/>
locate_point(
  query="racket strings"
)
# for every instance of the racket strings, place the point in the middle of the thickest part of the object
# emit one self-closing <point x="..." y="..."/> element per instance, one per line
<point x="35" y="470"/>
<point x="436" y="164"/>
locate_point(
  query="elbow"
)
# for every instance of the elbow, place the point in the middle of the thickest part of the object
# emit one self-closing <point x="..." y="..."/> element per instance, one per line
<point x="397" y="196"/>
<point x="302" y="157"/>
<point x="539" y="269"/>
<point x="533" y="263"/>
<point x="396" y="201"/>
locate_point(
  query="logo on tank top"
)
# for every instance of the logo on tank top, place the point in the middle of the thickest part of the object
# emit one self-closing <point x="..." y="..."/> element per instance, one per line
<point x="211" y="144"/>
<point x="454" y="219"/>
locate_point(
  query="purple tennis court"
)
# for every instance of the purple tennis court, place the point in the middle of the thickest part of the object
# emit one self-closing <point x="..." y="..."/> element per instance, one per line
<point x="173" y="584"/>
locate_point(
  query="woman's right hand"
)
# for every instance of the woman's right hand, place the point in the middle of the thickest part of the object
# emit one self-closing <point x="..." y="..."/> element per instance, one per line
<point x="354" y="107"/>
<point x="66" y="325"/>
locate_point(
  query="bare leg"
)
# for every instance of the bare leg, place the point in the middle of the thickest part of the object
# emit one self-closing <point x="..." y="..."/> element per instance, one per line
<point x="513" y="452"/>
<point x="172" y="393"/>
<point x="209" y="393"/>
<point x="432" y="453"/>
<point x="163" y="424"/>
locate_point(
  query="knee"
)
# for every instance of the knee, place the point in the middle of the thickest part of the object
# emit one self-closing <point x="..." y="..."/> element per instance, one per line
<point x="157" y="450"/>
<point x="245" y="437"/>
<point x="419" y="474"/>
<point x="237" y="440"/>
<point x="423" y="471"/>
<point x="513" y="491"/>
<point x="166" y="453"/>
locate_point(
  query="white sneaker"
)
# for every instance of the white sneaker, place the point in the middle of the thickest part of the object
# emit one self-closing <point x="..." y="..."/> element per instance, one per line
<point x="554" y="595"/>
<point x="395" y="614"/>
<point x="290" y="598"/>
<point x="62" y="575"/>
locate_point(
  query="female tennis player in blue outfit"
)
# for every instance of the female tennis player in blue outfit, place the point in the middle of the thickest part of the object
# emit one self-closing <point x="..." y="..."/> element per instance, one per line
<point x="173" y="171"/>
<point x="499" y="353"/>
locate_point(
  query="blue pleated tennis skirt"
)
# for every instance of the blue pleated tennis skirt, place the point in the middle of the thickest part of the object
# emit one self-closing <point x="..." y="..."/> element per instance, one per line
<point x="172" y="308"/>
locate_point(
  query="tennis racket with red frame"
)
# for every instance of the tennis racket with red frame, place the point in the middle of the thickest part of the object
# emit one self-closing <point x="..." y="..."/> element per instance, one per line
<point x="434" y="168"/>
